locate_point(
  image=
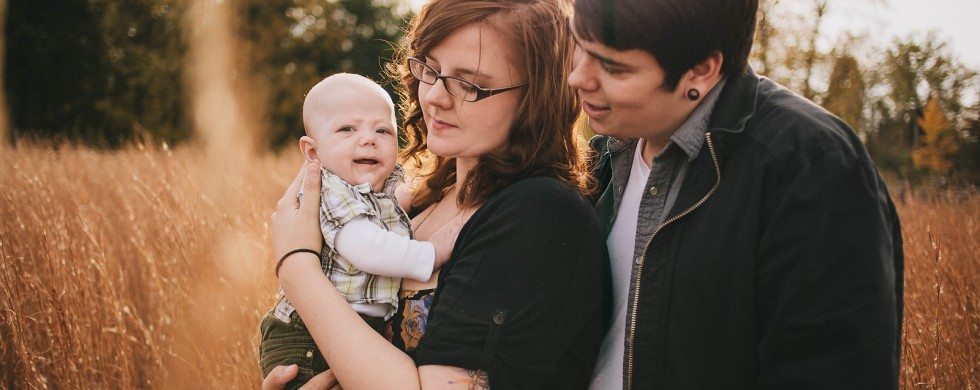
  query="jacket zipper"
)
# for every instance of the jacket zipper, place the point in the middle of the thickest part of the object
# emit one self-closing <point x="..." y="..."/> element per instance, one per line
<point x="639" y="270"/>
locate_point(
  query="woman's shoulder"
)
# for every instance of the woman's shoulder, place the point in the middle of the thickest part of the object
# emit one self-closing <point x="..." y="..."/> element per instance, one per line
<point x="539" y="188"/>
<point x="540" y="191"/>
<point x="537" y="197"/>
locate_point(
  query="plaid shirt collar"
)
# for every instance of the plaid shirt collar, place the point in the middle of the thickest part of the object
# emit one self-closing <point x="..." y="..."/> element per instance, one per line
<point x="388" y="189"/>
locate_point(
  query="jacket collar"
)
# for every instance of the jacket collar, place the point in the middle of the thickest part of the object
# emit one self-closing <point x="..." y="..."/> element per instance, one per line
<point x="737" y="103"/>
<point x="732" y="112"/>
<point x="735" y="108"/>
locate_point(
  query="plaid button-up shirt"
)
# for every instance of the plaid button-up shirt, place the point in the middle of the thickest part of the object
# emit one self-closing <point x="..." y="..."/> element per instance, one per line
<point x="340" y="202"/>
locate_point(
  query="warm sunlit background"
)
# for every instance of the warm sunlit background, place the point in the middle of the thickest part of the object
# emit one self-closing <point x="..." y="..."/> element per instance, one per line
<point x="143" y="144"/>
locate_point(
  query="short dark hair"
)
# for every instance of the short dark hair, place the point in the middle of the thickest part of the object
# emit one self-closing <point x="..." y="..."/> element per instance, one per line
<point x="678" y="33"/>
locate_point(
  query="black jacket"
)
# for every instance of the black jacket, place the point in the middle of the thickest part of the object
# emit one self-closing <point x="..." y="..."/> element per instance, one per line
<point x="779" y="266"/>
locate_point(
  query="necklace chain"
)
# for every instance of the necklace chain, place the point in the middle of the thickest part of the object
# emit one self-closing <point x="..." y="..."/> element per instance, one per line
<point x="427" y="215"/>
<point x="433" y="210"/>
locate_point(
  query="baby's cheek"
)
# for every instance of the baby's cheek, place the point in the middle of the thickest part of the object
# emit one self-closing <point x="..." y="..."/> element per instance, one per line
<point x="332" y="163"/>
<point x="322" y="155"/>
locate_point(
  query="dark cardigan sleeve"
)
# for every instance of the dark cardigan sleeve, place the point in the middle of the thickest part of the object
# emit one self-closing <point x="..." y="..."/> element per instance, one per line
<point x="522" y="295"/>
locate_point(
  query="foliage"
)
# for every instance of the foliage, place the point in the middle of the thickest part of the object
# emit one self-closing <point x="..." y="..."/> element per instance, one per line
<point x="105" y="72"/>
<point x="95" y="70"/>
<point x="938" y="144"/>
<point x="845" y="96"/>
<point x="310" y="40"/>
<point x="913" y="69"/>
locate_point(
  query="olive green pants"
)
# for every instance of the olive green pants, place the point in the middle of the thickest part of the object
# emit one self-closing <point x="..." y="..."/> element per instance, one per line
<point x="284" y="344"/>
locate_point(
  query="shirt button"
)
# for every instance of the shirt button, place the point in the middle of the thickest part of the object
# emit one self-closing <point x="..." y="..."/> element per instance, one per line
<point x="654" y="191"/>
<point x="309" y="354"/>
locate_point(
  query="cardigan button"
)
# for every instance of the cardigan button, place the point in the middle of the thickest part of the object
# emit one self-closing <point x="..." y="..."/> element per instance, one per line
<point x="654" y="191"/>
<point x="499" y="317"/>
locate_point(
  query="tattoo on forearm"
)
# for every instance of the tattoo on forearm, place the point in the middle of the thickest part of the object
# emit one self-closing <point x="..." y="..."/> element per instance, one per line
<point x="478" y="380"/>
<point x="475" y="380"/>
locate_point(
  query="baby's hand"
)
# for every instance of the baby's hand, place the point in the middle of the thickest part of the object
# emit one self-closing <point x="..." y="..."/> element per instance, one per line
<point x="445" y="239"/>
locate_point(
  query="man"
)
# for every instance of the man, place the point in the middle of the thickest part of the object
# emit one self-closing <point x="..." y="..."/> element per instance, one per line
<point x="752" y="242"/>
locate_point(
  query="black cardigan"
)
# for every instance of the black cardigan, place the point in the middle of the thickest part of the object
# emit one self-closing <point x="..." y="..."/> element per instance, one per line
<point x="524" y="295"/>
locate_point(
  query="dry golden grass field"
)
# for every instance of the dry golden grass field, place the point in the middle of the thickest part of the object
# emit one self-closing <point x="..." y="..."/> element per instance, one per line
<point x="151" y="269"/>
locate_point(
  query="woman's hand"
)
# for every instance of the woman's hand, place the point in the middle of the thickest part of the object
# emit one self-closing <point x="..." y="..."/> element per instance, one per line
<point x="296" y="221"/>
<point x="280" y="376"/>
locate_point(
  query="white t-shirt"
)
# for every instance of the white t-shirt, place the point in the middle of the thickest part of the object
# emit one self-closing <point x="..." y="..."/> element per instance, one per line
<point x="608" y="372"/>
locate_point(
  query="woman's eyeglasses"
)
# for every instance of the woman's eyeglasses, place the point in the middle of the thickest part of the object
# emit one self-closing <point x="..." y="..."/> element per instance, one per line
<point x="455" y="86"/>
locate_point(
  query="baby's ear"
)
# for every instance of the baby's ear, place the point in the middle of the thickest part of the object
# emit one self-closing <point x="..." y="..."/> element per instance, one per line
<point x="307" y="146"/>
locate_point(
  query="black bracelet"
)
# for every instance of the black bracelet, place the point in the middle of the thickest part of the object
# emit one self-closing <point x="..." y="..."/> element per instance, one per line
<point x="283" y="258"/>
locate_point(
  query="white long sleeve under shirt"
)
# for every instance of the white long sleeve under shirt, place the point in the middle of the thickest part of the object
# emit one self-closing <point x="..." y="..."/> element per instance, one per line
<point x="377" y="251"/>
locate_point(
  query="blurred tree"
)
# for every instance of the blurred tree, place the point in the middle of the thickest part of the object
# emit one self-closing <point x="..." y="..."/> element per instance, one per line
<point x="294" y="44"/>
<point x="3" y="98"/>
<point x="811" y="53"/>
<point x="107" y="71"/>
<point x="765" y="31"/>
<point x="145" y="48"/>
<point x="846" y="92"/>
<point x="967" y="162"/>
<point x="924" y="63"/>
<point x="788" y="52"/>
<point x="909" y="70"/>
<point x="55" y="72"/>
<point x="939" y="142"/>
<point x="97" y="71"/>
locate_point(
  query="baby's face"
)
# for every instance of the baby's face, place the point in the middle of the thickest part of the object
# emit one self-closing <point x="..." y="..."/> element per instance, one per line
<point x="356" y="137"/>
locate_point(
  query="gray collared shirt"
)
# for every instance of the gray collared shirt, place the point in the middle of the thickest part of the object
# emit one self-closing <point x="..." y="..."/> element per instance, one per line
<point x="667" y="170"/>
<point x="659" y="194"/>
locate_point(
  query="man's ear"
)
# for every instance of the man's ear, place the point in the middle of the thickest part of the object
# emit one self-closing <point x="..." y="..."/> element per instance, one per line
<point x="705" y="75"/>
<point x="307" y="146"/>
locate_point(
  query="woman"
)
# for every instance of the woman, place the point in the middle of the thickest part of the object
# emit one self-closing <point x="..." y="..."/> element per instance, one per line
<point x="521" y="302"/>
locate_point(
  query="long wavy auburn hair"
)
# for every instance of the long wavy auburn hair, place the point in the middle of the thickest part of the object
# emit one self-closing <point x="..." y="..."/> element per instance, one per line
<point x="542" y="141"/>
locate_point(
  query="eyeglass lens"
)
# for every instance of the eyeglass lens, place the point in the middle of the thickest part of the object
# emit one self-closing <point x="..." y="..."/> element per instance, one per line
<point x="459" y="88"/>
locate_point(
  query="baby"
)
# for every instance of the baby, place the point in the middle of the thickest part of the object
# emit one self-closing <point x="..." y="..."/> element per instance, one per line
<point x="350" y="129"/>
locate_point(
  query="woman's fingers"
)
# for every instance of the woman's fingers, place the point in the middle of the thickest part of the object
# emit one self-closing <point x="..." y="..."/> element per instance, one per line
<point x="296" y="222"/>
<point x="310" y="203"/>
<point x="279" y="376"/>
<point x="288" y="200"/>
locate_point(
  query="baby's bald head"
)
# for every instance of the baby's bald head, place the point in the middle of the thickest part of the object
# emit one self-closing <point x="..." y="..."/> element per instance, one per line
<point x="324" y="98"/>
<point x="350" y="129"/>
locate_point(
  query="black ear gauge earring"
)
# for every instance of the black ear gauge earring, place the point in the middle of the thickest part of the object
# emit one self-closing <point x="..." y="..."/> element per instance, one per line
<point x="693" y="94"/>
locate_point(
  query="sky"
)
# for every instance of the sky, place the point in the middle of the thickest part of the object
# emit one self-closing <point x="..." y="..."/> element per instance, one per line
<point x="883" y="20"/>
<point x="954" y="20"/>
